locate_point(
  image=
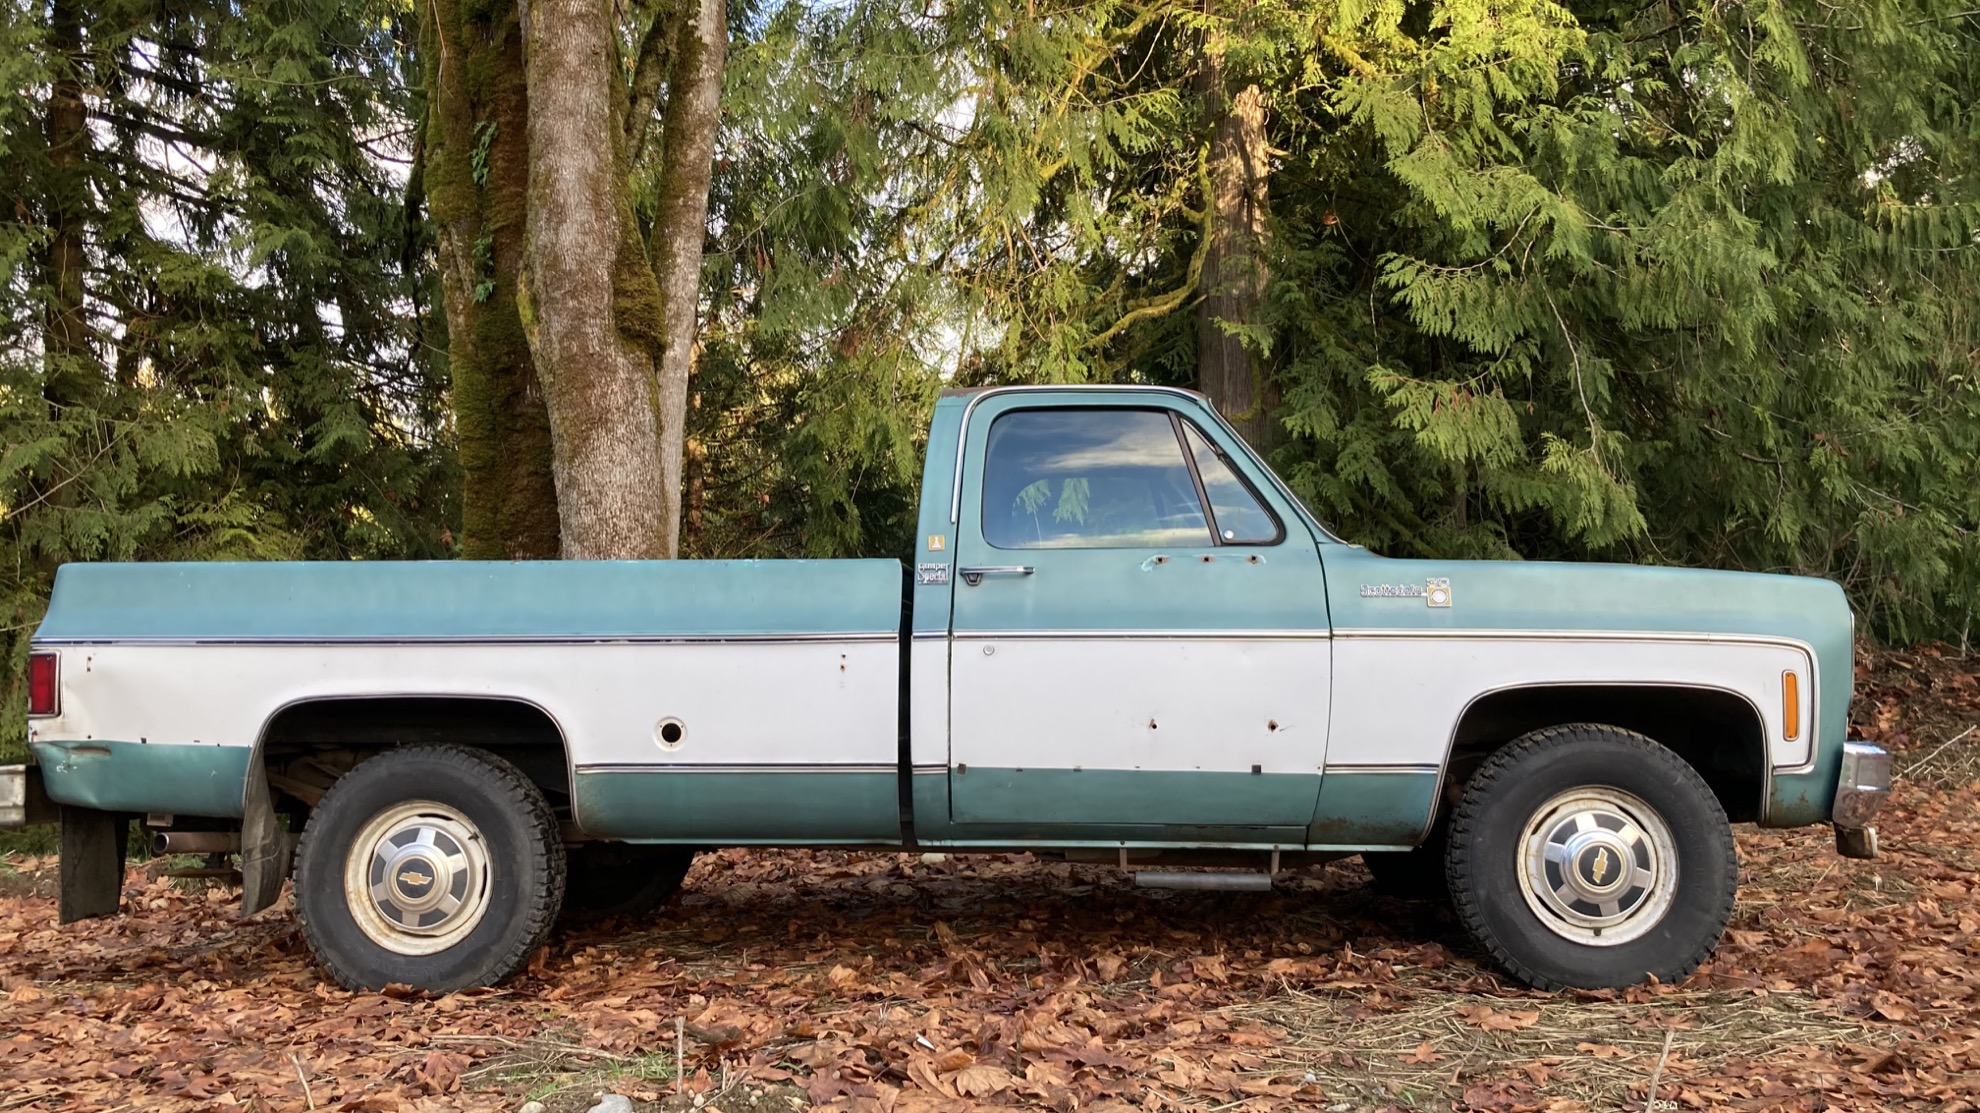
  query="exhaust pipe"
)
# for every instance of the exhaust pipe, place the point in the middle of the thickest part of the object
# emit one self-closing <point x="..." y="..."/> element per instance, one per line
<point x="196" y="842"/>
<point x="1189" y="879"/>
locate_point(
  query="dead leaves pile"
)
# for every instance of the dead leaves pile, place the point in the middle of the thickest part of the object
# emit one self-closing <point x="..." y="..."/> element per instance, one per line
<point x="898" y="984"/>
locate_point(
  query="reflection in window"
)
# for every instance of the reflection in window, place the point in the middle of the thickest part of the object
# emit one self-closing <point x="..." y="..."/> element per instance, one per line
<point x="1241" y="519"/>
<point x="1088" y="479"/>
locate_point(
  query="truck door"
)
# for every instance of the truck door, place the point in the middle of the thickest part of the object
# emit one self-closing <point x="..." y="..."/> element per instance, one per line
<point x="1139" y="630"/>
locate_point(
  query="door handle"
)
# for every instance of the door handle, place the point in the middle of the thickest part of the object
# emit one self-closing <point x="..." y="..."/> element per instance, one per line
<point x="974" y="576"/>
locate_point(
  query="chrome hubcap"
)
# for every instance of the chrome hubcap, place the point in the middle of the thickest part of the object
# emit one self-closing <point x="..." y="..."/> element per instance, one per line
<point x="416" y="878"/>
<point x="1598" y="866"/>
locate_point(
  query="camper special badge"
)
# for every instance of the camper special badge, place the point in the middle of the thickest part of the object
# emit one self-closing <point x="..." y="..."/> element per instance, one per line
<point x="1434" y="592"/>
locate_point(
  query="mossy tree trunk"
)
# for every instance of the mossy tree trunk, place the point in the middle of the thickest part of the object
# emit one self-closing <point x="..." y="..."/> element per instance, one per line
<point x="476" y="176"/>
<point x="688" y="131"/>
<point x="591" y="307"/>
<point x="72" y="376"/>
<point x="1234" y="268"/>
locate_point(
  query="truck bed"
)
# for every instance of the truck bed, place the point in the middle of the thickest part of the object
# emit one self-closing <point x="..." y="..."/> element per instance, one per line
<point x="696" y="699"/>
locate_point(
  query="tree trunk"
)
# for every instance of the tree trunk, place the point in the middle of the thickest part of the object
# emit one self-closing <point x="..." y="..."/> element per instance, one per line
<point x="688" y="130"/>
<point x="71" y="377"/>
<point x="476" y="175"/>
<point x="591" y="307"/>
<point x="1234" y="269"/>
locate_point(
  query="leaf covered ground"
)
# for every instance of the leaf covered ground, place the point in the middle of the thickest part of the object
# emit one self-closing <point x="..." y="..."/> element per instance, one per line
<point x="903" y="983"/>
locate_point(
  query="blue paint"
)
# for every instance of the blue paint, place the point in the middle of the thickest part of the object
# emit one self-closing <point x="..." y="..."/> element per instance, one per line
<point x="141" y="777"/>
<point x="473" y="599"/>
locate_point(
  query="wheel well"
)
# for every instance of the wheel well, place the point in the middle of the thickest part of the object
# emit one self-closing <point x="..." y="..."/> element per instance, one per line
<point x="1719" y="733"/>
<point x="307" y="746"/>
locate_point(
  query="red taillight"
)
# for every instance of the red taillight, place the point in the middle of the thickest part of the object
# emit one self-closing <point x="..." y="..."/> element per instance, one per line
<point x="44" y="694"/>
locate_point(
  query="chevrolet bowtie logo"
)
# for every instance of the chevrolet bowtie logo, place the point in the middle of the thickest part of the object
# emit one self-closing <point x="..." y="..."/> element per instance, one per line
<point x="1601" y="868"/>
<point x="414" y="877"/>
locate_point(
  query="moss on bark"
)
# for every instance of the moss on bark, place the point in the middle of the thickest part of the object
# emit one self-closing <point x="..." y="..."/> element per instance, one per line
<point x="477" y="166"/>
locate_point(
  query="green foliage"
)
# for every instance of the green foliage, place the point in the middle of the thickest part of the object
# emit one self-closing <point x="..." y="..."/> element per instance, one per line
<point x="484" y="141"/>
<point x="1687" y="284"/>
<point x="253" y="383"/>
<point x="823" y="335"/>
<point x="1681" y="283"/>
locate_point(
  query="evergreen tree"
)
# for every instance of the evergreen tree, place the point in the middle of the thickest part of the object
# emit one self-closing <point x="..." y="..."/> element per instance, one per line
<point x="829" y="327"/>
<point x="211" y="302"/>
<point x="1687" y="283"/>
<point x="1682" y="283"/>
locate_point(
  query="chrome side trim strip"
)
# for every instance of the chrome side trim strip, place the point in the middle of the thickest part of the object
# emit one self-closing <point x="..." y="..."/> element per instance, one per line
<point x="487" y="639"/>
<point x="1140" y="635"/>
<point x="1579" y="635"/>
<point x="740" y="767"/>
<point x="1423" y="769"/>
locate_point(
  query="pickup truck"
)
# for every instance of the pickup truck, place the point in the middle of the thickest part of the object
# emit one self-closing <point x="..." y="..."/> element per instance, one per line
<point x="1120" y="639"/>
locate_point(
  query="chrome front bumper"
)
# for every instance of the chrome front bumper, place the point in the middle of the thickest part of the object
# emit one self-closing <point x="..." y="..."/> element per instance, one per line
<point x="1862" y="786"/>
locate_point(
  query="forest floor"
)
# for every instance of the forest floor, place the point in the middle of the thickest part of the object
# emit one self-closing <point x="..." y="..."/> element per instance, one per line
<point x="902" y="983"/>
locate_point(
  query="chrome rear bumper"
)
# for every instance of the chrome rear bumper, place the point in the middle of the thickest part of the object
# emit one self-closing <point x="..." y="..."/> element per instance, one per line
<point x="1862" y="786"/>
<point x="22" y="802"/>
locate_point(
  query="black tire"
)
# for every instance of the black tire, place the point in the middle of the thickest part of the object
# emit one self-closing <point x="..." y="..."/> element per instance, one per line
<point x="623" y="879"/>
<point x="495" y="806"/>
<point x="1490" y="837"/>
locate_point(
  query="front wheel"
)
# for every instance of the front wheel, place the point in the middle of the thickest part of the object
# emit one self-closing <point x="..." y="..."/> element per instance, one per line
<point x="436" y="867"/>
<point x="1591" y="857"/>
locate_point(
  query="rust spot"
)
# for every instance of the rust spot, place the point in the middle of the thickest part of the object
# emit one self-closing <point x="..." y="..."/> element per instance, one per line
<point x="1152" y="726"/>
<point x="1207" y="559"/>
<point x="1271" y="724"/>
<point x="1332" y="829"/>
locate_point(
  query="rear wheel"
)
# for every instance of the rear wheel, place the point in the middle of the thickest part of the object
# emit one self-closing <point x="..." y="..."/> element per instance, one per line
<point x="1591" y="857"/>
<point x="437" y="867"/>
<point x="623" y="879"/>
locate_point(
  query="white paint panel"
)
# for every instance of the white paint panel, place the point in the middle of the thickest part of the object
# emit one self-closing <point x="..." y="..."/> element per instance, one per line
<point x="1057" y="703"/>
<point x="1401" y="697"/>
<point x="777" y="703"/>
<point x="928" y="701"/>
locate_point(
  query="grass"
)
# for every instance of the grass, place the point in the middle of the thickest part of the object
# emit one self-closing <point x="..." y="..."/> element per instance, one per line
<point x="549" y="1066"/>
<point x="24" y="878"/>
<point x="39" y="839"/>
<point x="1950" y="763"/>
<point x="1597" y="1052"/>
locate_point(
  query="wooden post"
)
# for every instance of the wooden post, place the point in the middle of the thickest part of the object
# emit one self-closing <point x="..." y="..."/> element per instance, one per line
<point x="92" y="863"/>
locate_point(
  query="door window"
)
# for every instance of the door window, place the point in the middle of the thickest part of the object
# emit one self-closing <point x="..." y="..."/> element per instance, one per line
<point x="1241" y="518"/>
<point x="1089" y="478"/>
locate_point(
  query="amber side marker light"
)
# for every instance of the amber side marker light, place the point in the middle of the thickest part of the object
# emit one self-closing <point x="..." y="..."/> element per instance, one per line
<point x="1790" y="706"/>
<point x="44" y="694"/>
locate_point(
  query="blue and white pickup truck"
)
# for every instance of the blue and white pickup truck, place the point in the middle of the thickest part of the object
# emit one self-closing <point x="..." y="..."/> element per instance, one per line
<point x="1120" y="639"/>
